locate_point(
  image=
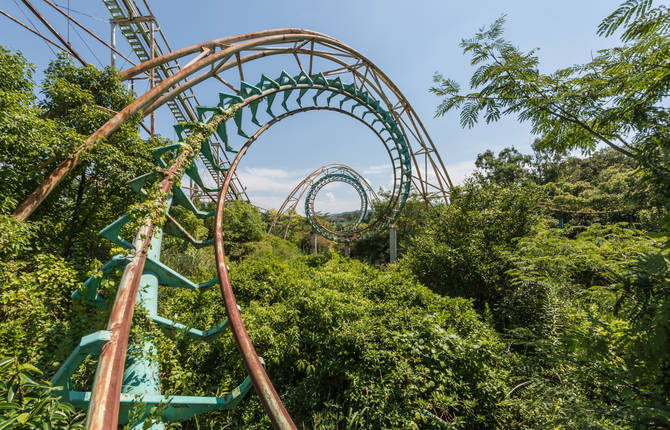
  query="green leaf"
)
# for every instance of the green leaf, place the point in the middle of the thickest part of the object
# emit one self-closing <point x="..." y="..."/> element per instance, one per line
<point x="28" y="366"/>
<point x="23" y="418"/>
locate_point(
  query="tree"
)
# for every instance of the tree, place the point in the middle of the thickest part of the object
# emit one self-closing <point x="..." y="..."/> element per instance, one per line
<point x="616" y="99"/>
<point x="458" y="252"/>
<point x="508" y="167"/>
<point x="409" y="222"/>
<point x="29" y="143"/>
<point x="242" y="223"/>
<point x="35" y="136"/>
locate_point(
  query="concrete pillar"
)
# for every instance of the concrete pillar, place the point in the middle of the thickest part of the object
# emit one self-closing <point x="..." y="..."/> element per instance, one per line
<point x="347" y="250"/>
<point x="315" y="248"/>
<point x="393" y="244"/>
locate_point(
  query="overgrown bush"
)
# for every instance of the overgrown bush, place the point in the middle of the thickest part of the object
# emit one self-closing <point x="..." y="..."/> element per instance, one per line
<point x="346" y="345"/>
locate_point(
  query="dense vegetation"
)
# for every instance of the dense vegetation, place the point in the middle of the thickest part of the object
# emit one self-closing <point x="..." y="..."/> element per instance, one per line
<point x="539" y="298"/>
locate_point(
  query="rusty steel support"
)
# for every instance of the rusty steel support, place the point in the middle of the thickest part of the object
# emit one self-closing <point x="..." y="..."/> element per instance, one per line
<point x="37" y="33"/>
<point x="55" y="33"/>
<point x="95" y="36"/>
<point x="268" y="395"/>
<point x="289" y="41"/>
<point x="32" y="202"/>
<point x="153" y="75"/>
<point x="103" y="412"/>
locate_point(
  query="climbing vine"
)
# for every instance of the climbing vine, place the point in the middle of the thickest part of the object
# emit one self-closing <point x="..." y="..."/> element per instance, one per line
<point x="151" y="211"/>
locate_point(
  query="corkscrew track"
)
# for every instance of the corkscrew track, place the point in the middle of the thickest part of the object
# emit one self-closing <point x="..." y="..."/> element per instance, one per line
<point x="366" y="94"/>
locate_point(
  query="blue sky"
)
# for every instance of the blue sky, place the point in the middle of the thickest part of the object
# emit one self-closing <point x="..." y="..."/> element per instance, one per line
<point x="408" y="40"/>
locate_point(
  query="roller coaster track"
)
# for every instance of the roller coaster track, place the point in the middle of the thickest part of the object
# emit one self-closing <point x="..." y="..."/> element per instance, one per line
<point x="360" y="184"/>
<point x="182" y="107"/>
<point x="366" y="94"/>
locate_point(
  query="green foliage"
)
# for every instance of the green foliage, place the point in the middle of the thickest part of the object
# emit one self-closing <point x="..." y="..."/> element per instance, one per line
<point x="491" y="319"/>
<point x="645" y="300"/>
<point x="30" y="145"/>
<point x="459" y="251"/>
<point x="639" y="19"/>
<point x="604" y="187"/>
<point x="346" y="345"/>
<point x="411" y="221"/>
<point x="564" y="308"/>
<point x="38" y="320"/>
<point x="508" y="167"/>
<point x="28" y="404"/>
<point x="297" y="228"/>
<point x="241" y="223"/>
<point x="616" y="99"/>
<point x="551" y="269"/>
<point x="36" y="136"/>
<point x="15" y="237"/>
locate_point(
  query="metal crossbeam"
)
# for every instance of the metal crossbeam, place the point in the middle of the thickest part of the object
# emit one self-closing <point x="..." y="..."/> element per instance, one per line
<point x="136" y="28"/>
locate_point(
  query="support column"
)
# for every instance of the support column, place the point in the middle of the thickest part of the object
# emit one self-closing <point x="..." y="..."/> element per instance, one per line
<point x="347" y="249"/>
<point x="112" y="61"/>
<point x="141" y="374"/>
<point x="315" y="248"/>
<point x="393" y="244"/>
<point x="153" y="75"/>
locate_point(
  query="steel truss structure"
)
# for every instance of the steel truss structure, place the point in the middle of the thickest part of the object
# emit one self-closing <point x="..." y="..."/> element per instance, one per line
<point x="335" y="78"/>
<point x="365" y="191"/>
<point x="139" y="29"/>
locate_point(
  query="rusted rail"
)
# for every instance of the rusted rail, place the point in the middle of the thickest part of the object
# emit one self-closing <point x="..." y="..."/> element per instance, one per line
<point x="103" y="412"/>
<point x="271" y="402"/>
<point x="232" y="52"/>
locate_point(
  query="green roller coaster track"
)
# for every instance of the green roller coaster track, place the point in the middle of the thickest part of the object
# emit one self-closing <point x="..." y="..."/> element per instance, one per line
<point x="141" y="379"/>
<point x="128" y="375"/>
<point x="351" y="233"/>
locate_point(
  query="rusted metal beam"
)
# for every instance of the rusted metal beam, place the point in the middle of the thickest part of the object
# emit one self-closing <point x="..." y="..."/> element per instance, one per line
<point x="112" y="111"/>
<point x="231" y="47"/>
<point x="268" y="395"/>
<point x="55" y="33"/>
<point x="37" y="33"/>
<point x="83" y="27"/>
<point x="103" y="412"/>
<point x="226" y="83"/>
<point x="28" y="206"/>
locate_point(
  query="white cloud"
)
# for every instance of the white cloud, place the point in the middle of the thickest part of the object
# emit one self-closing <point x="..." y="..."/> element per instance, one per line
<point x="377" y="169"/>
<point x="272" y="173"/>
<point x="459" y="171"/>
<point x="334" y="206"/>
<point x="270" y="202"/>
<point x="269" y="180"/>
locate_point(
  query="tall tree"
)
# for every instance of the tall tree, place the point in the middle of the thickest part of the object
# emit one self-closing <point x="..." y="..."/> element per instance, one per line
<point x="36" y="135"/>
<point x="616" y="99"/>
